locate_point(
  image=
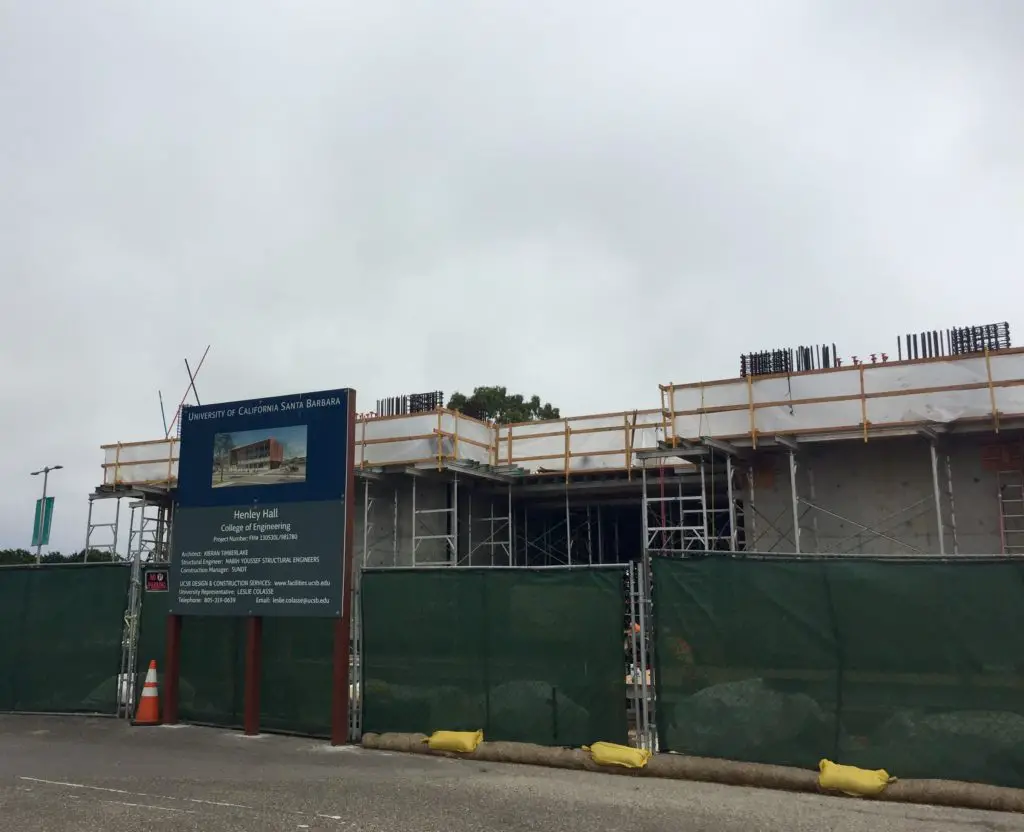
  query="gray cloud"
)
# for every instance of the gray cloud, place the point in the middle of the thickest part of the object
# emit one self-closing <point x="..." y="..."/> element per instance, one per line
<point x="581" y="201"/>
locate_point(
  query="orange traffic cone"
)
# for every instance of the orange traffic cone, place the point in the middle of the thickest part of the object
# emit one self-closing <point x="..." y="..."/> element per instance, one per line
<point x="148" y="712"/>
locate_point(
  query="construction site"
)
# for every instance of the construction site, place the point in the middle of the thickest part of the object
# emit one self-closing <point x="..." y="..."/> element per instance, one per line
<point x="805" y="452"/>
<point x="817" y="559"/>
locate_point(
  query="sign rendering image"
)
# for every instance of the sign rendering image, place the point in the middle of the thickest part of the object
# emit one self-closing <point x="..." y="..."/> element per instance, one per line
<point x="259" y="527"/>
<point x="259" y="457"/>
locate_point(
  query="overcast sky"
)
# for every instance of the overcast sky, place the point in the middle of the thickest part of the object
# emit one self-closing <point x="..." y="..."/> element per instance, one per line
<point x="574" y="199"/>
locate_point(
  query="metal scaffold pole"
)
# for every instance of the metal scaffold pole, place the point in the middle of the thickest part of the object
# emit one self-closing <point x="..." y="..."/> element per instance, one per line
<point x="88" y="530"/>
<point x="469" y="526"/>
<point x="732" y="503"/>
<point x="568" y="530"/>
<point x="812" y="491"/>
<point x="704" y="505"/>
<point x="415" y="539"/>
<point x="643" y="507"/>
<point x="938" y="497"/>
<point x="634" y="667"/>
<point x="394" y="530"/>
<point x="751" y="513"/>
<point x="511" y="531"/>
<point x="590" y="540"/>
<point x="453" y="542"/>
<point x="526" y="536"/>
<point x="644" y="733"/>
<point x="952" y="505"/>
<point x="367" y="521"/>
<point x="795" y="496"/>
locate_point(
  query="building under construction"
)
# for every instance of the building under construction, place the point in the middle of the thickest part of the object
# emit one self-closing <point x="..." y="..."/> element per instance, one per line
<point x="804" y="452"/>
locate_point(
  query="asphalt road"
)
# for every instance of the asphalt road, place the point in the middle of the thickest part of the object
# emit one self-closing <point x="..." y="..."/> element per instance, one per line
<point x="99" y="775"/>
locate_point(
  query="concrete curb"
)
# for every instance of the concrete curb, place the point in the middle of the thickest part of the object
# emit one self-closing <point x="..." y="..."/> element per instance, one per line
<point x="703" y="769"/>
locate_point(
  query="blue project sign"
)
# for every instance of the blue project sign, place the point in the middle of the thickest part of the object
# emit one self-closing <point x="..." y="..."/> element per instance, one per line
<point x="261" y="522"/>
<point x="285" y="449"/>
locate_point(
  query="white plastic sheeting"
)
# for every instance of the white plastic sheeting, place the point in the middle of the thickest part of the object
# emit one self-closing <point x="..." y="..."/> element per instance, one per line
<point x="591" y="443"/>
<point x="141" y="463"/>
<point x="894" y="396"/>
<point x="594" y="443"/>
<point x="394" y="440"/>
<point x="406" y="440"/>
<point x="397" y="440"/>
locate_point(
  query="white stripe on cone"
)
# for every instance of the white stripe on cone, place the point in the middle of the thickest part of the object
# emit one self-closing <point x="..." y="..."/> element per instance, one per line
<point x="149" y="688"/>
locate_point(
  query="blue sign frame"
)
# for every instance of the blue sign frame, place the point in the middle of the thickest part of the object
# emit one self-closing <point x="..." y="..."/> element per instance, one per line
<point x="308" y="433"/>
<point x="262" y="524"/>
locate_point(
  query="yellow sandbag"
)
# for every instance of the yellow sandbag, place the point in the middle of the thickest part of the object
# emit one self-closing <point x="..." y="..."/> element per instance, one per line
<point x="462" y="741"/>
<point x="611" y="754"/>
<point x="851" y="780"/>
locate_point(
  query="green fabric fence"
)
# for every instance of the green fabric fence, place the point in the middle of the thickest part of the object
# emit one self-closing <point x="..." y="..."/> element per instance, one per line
<point x="295" y="690"/>
<point x="62" y="627"/>
<point x="298" y="665"/>
<point x="912" y="666"/>
<point x="526" y="655"/>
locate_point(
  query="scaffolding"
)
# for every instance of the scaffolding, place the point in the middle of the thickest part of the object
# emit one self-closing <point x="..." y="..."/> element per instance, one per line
<point x="802" y="530"/>
<point x="564" y="534"/>
<point x="639" y="652"/>
<point x="684" y="513"/>
<point x="494" y="532"/>
<point x="473" y="518"/>
<point x="426" y="525"/>
<point x="109" y="531"/>
<point x="1011" y="511"/>
<point x="805" y="537"/>
<point x="697" y="456"/>
<point x="543" y="542"/>
<point x="150" y="526"/>
<point x="942" y="488"/>
<point x="378" y="541"/>
<point x="681" y="505"/>
<point x="148" y="531"/>
<point x="848" y="402"/>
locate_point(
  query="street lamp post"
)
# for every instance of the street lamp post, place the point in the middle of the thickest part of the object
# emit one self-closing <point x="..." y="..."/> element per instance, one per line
<point x="42" y="509"/>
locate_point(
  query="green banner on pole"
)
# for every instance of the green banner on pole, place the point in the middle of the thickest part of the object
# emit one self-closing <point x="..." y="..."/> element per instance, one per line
<point x="41" y="527"/>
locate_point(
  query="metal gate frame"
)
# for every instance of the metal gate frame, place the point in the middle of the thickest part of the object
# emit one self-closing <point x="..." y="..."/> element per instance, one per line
<point x="355" y="678"/>
<point x="149" y="544"/>
<point x="642" y="654"/>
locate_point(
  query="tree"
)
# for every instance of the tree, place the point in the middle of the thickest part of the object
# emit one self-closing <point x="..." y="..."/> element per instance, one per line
<point x="10" y="557"/>
<point x="498" y="405"/>
<point x="15" y="556"/>
<point x="223" y="444"/>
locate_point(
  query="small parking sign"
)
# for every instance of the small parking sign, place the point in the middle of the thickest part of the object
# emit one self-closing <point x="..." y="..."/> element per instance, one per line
<point x="156" y="581"/>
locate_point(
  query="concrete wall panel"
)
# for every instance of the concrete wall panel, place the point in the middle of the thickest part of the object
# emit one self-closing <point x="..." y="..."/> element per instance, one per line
<point x="885" y="485"/>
